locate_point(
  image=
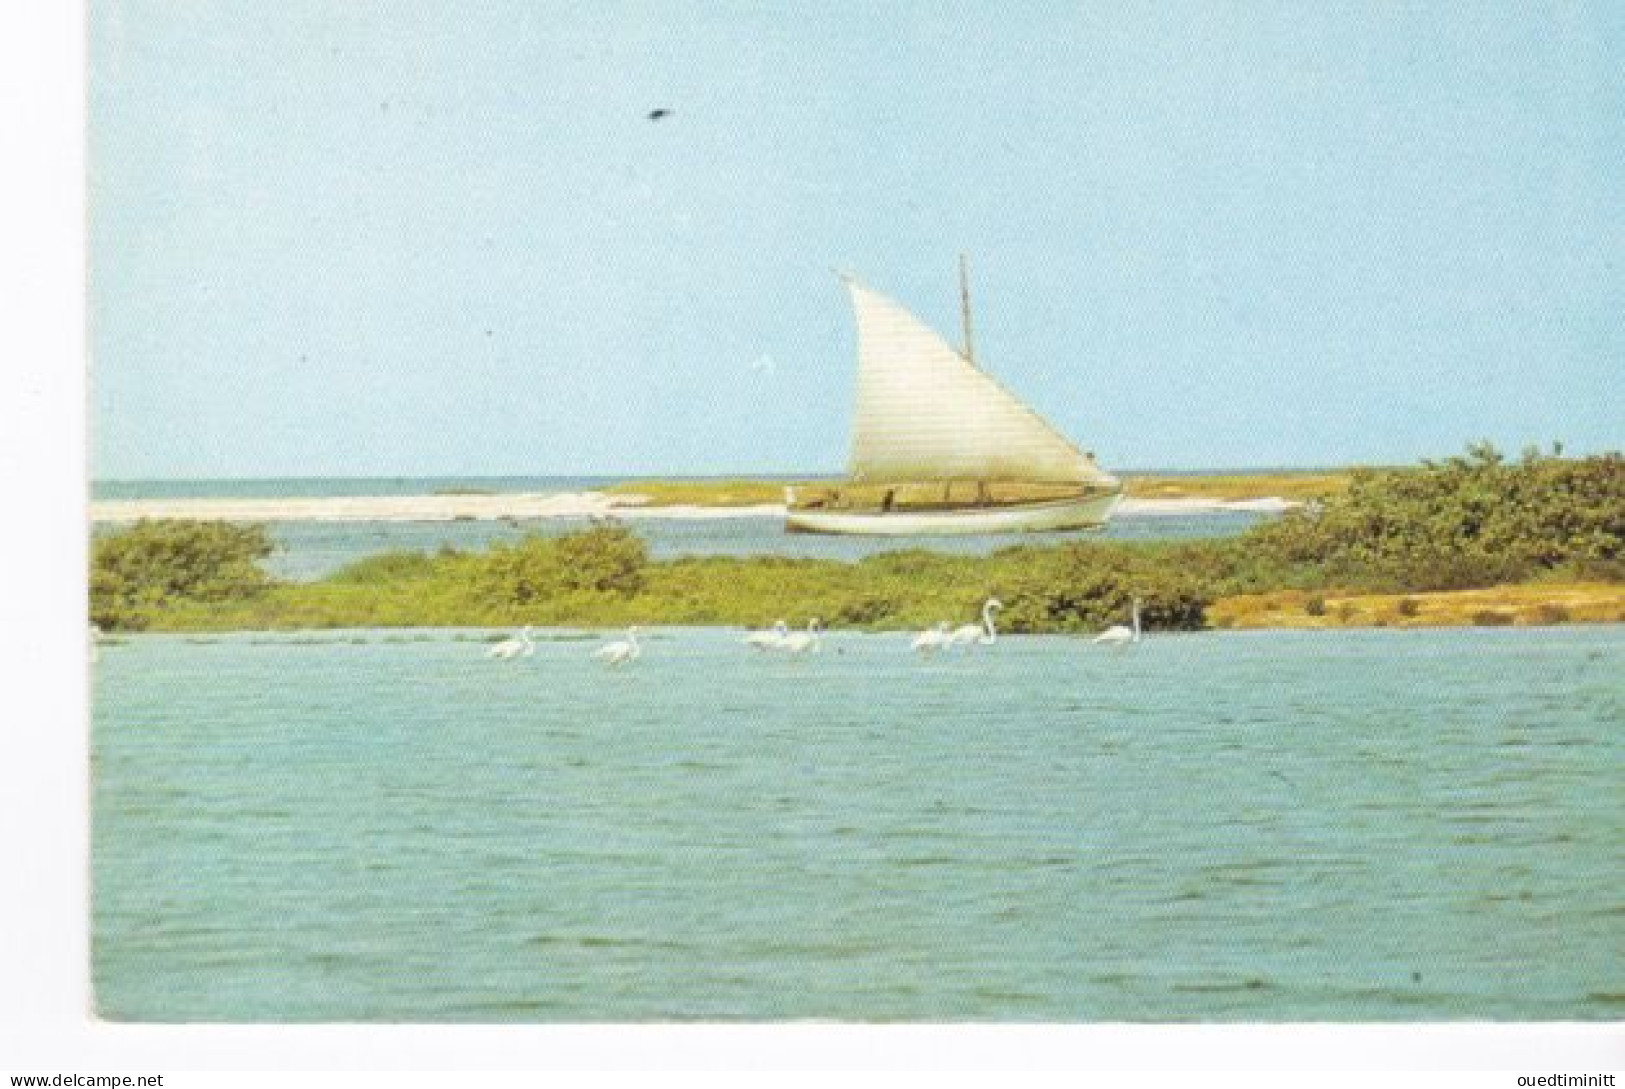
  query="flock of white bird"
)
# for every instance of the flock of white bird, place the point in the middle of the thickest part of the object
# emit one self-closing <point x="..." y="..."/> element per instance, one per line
<point x="969" y="635"/>
<point x="779" y="639"/>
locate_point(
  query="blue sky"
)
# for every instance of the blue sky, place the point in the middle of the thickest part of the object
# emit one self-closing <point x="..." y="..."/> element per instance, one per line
<point x="363" y="238"/>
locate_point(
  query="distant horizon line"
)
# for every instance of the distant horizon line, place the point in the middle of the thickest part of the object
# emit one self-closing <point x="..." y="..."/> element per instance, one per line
<point x="1220" y="470"/>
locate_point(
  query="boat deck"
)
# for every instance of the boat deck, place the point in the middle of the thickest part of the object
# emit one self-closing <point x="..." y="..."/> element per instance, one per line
<point x="938" y="497"/>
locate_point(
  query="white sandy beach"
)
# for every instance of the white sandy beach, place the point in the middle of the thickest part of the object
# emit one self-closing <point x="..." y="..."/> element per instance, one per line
<point x="525" y="506"/>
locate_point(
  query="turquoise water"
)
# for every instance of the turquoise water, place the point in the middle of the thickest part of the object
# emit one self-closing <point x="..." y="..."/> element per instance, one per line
<point x="1385" y="825"/>
<point x="309" y="550"/>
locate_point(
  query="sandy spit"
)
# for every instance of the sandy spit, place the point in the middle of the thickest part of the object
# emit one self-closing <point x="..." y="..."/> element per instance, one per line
<point x="1266" y="505"/>
<point x="413" y="508"/>
<point x="447" y="508"/>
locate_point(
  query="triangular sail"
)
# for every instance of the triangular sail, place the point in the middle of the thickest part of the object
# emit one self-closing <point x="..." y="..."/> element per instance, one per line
<point x="926" y="413"/>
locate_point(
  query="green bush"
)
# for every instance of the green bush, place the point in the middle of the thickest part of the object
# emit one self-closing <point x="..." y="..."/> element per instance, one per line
<point x="1315" y="606"/>
<point x="865" y="611"/>
<point x="1084" y="586"/>
<point x="154" y="564"/>
<point x="1409" y="606"/>
<point x="385" y="568"/>
<point x="604" y="560"/>
<point x="1469" y="521"/>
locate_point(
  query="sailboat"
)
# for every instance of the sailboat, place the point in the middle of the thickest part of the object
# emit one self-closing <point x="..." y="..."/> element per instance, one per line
<point x="940" y="447"/>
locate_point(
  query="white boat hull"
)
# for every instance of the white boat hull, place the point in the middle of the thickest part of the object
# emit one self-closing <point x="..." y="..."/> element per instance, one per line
<point x="1090" y="512"/>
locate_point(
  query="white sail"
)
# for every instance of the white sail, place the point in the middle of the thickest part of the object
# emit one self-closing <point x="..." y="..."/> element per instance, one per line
<point x="925" y="412"/>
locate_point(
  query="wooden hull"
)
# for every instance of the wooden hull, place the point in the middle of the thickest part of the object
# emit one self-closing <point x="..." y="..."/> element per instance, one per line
<point x="1087" y="512"/>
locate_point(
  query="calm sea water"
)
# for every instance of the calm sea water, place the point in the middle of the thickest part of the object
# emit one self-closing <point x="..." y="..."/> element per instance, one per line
<point x="309" y="550"/>
<point x="1385" y="825"/>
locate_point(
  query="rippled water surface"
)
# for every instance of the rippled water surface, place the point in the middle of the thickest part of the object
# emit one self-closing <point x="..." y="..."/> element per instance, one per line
<point x="1265" y="826"/>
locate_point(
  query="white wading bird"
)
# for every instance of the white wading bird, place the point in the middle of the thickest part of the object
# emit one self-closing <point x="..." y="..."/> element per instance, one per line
<point x="621" y="651"/>
<point x="983" y="633"/>
<point x="767" y="639"/>
<point x="801" y="642"/>
<point x="932" y="639"/>
<point x="1119" y="636"/>
<point x="514" y="647"/>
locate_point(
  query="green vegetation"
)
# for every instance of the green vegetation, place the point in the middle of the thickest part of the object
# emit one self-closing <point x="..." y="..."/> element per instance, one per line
<point x="154" y="567"/>
<point x="602" y="576"/>
<point x="1469" y="522"/>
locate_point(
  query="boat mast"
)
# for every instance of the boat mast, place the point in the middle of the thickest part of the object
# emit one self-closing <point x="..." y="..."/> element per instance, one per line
<point x="970" y="357"/>
<point x="964" y="310"/>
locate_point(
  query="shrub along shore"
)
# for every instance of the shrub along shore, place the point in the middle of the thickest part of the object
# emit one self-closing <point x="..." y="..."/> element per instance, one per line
<point x="1472" y="539"/>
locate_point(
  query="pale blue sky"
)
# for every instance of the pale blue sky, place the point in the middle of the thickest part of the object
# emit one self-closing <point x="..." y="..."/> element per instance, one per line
<point x="364" y="238"/>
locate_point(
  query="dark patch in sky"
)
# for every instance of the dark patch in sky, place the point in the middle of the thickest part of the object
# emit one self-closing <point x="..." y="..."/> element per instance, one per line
<point x="656" y="115"/>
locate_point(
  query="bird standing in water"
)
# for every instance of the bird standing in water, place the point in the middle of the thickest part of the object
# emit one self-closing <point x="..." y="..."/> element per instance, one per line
<point x="513" y="647"/>
<point x="1119" y="636"/>
<point x="621" y="651"/>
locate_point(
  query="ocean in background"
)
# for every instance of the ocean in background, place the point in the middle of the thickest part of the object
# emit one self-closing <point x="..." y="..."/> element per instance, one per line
<point x="336" y="487"/>
<point x="329" y="487"/>
<point x="1386" y="825"/>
